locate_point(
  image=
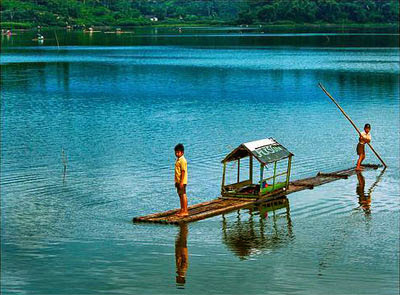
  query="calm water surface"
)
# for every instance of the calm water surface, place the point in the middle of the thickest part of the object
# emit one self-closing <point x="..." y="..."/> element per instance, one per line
<point x="117" y="105"/>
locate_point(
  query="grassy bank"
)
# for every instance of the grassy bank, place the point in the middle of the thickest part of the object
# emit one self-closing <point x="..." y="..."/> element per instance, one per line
<point x="16" y="25"/>
<point x="284" y="25"/>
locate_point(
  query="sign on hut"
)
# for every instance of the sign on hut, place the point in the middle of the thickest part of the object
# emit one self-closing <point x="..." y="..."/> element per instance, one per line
<point x="274" y="172"/>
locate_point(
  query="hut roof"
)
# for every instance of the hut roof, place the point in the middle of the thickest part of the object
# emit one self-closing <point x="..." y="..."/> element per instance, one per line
<point x="266" y="151"/>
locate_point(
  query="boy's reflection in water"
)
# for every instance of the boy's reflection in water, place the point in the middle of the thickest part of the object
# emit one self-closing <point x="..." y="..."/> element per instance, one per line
<point x="181" y="254"/>
<point x="363" y="199"/>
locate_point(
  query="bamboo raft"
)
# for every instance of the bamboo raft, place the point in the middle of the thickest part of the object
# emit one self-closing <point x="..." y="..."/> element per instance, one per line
<point x="223" y="205"/>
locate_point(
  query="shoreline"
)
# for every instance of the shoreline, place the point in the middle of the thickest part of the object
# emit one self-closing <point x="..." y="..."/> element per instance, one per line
<point x="390" y="27"/>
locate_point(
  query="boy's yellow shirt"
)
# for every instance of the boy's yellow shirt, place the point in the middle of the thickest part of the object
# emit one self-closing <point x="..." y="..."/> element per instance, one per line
<point x="181" y="165"/>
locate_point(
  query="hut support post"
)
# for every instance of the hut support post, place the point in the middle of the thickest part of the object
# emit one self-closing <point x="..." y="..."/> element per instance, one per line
<point x="273" y="183"/>
<point x="238" y="174"/>
<point x="251" y="169"/>
<point x="261" y="177"/>
<point x="223" y="177"/>
<point x="288" y="171"/>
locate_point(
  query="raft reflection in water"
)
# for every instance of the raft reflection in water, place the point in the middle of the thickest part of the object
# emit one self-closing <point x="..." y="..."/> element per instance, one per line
<point x="181" y="254"/>
<point x="266" y="228"/>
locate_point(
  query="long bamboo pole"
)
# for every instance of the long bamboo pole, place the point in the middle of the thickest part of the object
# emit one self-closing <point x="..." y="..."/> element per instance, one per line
<point x="351" y="121"/>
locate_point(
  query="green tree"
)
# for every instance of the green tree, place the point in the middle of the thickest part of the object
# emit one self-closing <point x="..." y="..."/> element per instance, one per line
<point x="110" y="12"/>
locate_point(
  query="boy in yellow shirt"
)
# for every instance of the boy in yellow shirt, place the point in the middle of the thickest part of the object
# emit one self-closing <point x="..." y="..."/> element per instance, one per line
<point x="364" y="138"/>
<point x="181" y="178"/>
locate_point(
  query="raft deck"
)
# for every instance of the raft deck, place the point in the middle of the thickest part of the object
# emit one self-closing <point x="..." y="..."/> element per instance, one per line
<point x="223" y="205"/>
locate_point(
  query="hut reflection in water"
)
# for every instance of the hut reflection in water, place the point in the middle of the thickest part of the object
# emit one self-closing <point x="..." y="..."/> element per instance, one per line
<point x="267" y="227"/>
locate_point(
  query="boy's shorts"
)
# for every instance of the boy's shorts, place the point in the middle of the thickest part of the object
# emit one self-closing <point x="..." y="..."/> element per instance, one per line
<point x="360" y="149"/>
<point x="179" y="190"/>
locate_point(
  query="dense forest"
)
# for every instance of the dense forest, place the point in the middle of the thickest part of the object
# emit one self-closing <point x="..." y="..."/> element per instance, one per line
<point x="144" y="12"/>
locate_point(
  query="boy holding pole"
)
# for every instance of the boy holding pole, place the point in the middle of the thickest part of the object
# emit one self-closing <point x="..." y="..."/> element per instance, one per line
<point x="365" y="137"/>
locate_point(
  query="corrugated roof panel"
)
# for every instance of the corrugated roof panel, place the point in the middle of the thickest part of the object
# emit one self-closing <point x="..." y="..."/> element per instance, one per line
<point x="266" y="150"/>
<point x="252" y="145"/>
<point x="271" y="153"/>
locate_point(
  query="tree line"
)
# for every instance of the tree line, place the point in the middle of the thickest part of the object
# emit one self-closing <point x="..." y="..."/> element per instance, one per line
<point x="145" y="12"/>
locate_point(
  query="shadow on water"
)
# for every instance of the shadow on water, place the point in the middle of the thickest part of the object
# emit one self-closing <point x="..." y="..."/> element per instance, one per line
<point x="261" y="232"/>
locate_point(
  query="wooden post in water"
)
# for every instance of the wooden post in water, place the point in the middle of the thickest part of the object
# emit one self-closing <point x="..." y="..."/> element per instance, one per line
<point x="351" y="121"/>
<point x="58" y="44"/>
<point x="64" y="160"/>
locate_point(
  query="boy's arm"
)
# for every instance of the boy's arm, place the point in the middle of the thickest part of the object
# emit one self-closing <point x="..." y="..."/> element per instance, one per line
<point x="183" y="172"/>
<point x="364" y="138"/>
<point x="182" y="178"/>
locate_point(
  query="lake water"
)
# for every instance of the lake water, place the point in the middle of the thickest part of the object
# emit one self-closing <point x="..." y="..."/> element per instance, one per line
<point x="118" y="104"/>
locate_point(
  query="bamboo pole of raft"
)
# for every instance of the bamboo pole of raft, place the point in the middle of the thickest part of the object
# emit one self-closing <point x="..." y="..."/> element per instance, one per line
<point x="173" y="211"/>
<point x="351" y="121"/>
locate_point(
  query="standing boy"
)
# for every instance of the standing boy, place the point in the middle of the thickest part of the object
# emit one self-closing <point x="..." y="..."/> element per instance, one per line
<point x="181" y="178"/>
<point x="364" y="138"/>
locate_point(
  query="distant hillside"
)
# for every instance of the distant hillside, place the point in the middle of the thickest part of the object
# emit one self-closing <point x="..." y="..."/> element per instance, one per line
<point x="144" y="12"/>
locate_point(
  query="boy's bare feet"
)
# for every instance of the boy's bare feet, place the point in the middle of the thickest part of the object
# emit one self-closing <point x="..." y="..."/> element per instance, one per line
<point x="182" y="214"/>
